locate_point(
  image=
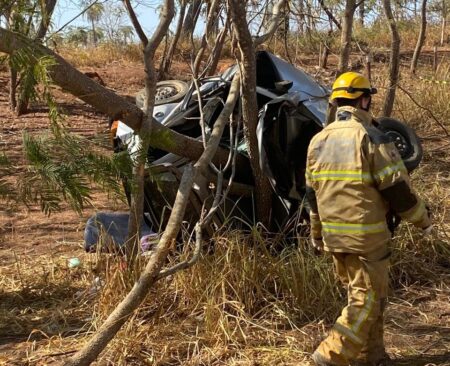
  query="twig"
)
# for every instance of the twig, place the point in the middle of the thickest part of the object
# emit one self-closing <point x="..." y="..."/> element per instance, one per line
<point x="424" y="108"/>
<point x="440" y="148"/>
<point x="187" y="263"/>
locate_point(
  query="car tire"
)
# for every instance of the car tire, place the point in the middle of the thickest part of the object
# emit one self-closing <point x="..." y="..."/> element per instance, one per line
<point x="167" y="91"/>
<point x="405" y="140"/>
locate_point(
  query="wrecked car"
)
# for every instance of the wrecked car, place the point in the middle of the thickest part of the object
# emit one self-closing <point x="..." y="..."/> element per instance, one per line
<point x="292" y="109"/>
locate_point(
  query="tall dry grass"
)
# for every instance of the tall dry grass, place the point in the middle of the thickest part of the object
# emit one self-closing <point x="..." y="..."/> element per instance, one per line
<point x="101" y="55"/>
<point x="242" y="300"/>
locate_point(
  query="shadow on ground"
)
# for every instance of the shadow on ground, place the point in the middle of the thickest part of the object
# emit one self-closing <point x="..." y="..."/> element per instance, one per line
<point x="423" y="360"/>
<point x="35" y="313"/>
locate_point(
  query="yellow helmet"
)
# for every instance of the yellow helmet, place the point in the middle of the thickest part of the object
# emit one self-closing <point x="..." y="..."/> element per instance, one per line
<point x="351" y="85"/>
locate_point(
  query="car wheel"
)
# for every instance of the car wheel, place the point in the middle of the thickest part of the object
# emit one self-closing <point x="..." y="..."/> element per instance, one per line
<point x="404" y="139"/>
<point x="167" y="91"/>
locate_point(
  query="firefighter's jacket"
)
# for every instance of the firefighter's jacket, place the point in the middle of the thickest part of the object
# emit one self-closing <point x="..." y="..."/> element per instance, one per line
<point x="354" y="176"/>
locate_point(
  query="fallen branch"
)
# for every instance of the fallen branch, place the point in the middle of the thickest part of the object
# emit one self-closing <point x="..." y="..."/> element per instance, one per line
<point x="108" y="102"/>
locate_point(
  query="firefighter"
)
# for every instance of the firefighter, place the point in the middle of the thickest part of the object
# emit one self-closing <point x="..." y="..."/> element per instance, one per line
<point x="354" y="176"/>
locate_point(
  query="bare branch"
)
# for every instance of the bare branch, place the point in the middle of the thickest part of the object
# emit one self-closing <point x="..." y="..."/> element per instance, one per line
<point x="187" y="263"/>
<point x="135" y="22"/>
<point x="73" y="19"/>
<point x="212" y="17"/>
<point x="330" y="14"/>
<point x="167" y="14"/>
<point x="277" y="15"/>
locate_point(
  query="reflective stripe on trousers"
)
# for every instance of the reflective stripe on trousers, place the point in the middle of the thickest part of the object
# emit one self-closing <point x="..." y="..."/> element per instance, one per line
<point x="367" y="280"/>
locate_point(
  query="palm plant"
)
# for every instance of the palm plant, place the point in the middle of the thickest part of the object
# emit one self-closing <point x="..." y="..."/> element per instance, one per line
<point x="93" y="14"/>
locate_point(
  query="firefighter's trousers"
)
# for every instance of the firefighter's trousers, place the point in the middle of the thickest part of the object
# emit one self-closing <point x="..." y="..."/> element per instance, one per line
<point x="358" y="332"/>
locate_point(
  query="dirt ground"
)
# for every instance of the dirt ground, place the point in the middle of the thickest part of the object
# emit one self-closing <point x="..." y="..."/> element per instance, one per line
<point x="418" y="319"/>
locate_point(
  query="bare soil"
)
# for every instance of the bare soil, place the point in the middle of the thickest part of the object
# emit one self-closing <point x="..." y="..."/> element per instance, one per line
<point x="418" y="319"/>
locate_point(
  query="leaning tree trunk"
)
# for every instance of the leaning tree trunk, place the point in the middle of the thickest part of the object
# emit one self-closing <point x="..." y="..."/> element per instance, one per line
<point x="167" y="60"/>
<point x="116" y="107"/>
<point x="421" y="39"/>
<point x="394" y="64"/>
<point x="45" y="21"/>
<point x="346" y="36"/>
<point x="191" y="18"/>
<point x="217" y="50"/>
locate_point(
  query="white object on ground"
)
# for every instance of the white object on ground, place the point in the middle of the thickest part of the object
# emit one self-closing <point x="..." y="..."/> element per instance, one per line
<point x="74" y="262"/>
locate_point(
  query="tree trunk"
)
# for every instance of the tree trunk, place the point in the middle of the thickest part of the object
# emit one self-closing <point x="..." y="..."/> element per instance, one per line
<point x="45" y="20"/>
<point x="421" y="39"/>
<point x="323" y="57"/>
<point x="393" y="62"/>
<point x="94" y="36"/>
<point x="191" y="18"/>
<point x="106" y="101"/>
<point x="167" y="61"/>
<point x="362" y="13"/>
<point x="12" y="70"/>
<point x="301" y="17"/>
<point x="212" y="16"/>
<point x="12" y="87"/>
<point x="283" y="30"/>
<point x="346" y="36"/>
<point x="247" y="62"/>
<point x="443" y="22"/>
<point x="217" y="50"/>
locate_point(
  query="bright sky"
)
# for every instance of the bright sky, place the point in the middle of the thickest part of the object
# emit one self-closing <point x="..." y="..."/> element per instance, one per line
<point x="67" y="9"/>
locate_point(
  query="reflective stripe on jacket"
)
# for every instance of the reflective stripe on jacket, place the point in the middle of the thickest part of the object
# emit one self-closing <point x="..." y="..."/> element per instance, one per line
<point x="354" y="175"/>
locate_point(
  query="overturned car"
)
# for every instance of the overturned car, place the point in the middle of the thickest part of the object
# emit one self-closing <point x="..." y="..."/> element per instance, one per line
<point x="292" y="109"/>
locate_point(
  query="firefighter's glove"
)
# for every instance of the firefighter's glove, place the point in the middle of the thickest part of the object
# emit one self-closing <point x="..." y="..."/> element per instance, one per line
<point x="317" y="244"/>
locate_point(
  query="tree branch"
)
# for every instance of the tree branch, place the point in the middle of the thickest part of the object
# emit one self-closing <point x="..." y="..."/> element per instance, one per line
<point x="149" y="276"/>
<point x="330" y="14"/>
<point x="137" y="199"/>
<point x="106" y="101"/>
<point x="135" y="22"/>
<point x="277" y="15"/>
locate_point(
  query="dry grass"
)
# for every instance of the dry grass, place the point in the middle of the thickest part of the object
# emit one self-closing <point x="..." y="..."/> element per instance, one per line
<point x="101" y="55"/>
<point x="242" y="304"/>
